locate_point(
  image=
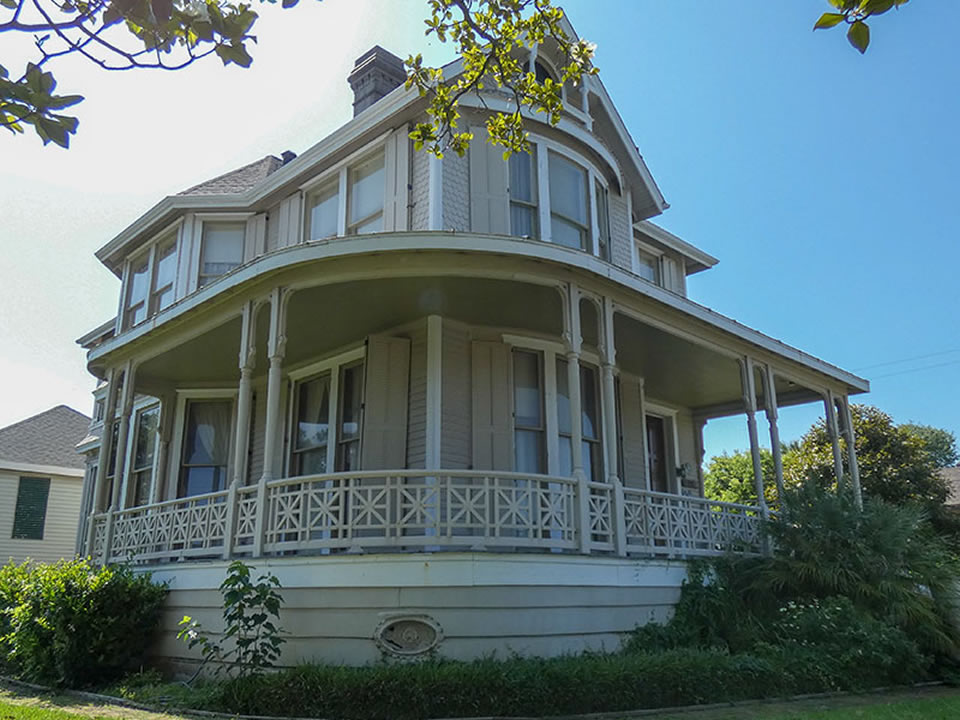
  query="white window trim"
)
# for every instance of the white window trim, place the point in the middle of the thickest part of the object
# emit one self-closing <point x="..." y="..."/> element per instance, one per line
<point x="552" y="351"/>
<point x="651" y="407"/>
<point x="330" y="365"/>
<point x="544" y="147"/>
<point x="175" y="458"/>
<point x="341" y="170"/>
<point x="130" y="450"/>
<point x="193" y="279"/>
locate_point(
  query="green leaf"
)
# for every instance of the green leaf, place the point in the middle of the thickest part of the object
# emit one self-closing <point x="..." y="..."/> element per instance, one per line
<point x="12" y="4"/>
<point x="877" y="7"/>
<point x="288" y="3"/>
<point x="859" y="36"/>
<point x="828" y="20"/>
<point x="63" y="101"/>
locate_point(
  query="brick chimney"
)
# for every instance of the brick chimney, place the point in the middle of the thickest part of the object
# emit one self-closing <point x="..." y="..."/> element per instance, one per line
<point x="374" y="74"/>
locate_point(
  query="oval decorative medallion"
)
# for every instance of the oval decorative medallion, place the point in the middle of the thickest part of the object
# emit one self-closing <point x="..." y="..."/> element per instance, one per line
<point x="408" y="635"/>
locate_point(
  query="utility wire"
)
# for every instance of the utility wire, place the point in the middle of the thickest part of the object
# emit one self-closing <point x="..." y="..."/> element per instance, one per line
<point x="909" y="359"/>
<point x="912" y="370"/>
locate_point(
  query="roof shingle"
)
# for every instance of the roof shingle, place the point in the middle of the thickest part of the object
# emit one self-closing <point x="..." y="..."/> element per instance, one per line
<point x="239" y="180"/>
<point x="49" y="438"/>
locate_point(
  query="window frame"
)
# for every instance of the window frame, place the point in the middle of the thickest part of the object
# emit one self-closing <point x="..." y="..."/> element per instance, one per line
<point x="533" y="204"/>
<point x="17" y="507"/>
<point x="550" y="352"/>
<point x="671" y="440"/>
<point x="171" y="233"/>
<point x="174" y="466"/>
<point x="333" y="366"/>
<point x="218" y="219"/>
<point x="341" y="171"/>
<point x="641" y="248"/>
<point x="134" y="471"/>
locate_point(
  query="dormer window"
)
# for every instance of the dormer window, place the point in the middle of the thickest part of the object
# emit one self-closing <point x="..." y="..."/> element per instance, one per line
<point x="221" y="250"/>
<point x="569" y="213"/>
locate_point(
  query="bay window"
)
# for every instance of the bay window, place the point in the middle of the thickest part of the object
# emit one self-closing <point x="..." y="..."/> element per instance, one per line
<point x="221" y="249"/>
<point x="569" y="204"/>
<point x="150" y="282"/>
<point x="523" y="194"/>
<point x="206" y="447"/>
<point x="348" y="201"/>
<point x="328" y="419"/>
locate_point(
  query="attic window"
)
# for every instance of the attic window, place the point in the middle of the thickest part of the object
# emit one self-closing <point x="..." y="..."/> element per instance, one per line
<point x="31" y="513"/>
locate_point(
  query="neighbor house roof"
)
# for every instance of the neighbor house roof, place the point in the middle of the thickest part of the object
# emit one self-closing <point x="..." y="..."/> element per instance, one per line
<point x="952" y="476"/>
<point x="239" y="180"/>
<point x="49" y="438"/>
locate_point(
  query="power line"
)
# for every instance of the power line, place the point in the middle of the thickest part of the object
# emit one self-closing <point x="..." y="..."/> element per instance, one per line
<point x="912" y="370"/>
<point x="910" y="359"/>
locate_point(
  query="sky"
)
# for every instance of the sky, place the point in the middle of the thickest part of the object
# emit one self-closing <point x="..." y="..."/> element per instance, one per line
<point x="823" y="180"/>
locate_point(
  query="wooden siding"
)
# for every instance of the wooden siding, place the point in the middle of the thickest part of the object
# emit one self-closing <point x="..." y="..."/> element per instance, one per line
<point x="60" y="526"/>
<point x="577" y="608"/>
<point x="455" y="395"/>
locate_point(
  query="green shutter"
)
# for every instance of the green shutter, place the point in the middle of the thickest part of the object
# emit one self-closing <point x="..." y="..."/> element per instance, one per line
<point x="31" y="513"/>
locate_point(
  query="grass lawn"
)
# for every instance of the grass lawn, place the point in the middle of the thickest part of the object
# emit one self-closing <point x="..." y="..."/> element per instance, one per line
<point x="930" y="704"/>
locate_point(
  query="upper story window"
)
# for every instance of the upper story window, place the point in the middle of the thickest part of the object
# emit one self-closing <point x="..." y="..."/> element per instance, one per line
<point x="569" y="213"/>
<point x="221" y="249"/>
<point x="330" y="214"/>
<point x="647" y="262"/>
<point x="138" y="286"/>
<point x="602" y="200"/>
<point x="365" y="199"/>
<point x="523" y="194"/>
<point x="164" y="276"/>
<point x="150" y="282"/>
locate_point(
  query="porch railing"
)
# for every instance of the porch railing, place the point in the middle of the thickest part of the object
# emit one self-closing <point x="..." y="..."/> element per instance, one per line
<point x="376" y="511"/>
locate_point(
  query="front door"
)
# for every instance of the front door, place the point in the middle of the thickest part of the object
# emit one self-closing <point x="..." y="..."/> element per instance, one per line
<point x="657" y="453"/>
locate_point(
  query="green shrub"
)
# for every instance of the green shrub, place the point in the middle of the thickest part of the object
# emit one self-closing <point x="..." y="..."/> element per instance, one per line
<point x="76" y="625"/>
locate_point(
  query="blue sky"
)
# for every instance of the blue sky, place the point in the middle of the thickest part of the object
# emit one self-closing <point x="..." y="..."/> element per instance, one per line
<point x="823" y="181"/>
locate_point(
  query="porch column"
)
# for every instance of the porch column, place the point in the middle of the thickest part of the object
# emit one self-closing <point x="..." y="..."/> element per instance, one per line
<point x="276" y="349"/>
<point x="852" y="452"/>
<point x="618" y="503"/>
<point x="748" y="383"/>
<point x="247" y="362"/>
<point x="699" y="423"/>
<point x="770" y="399"/>
<point x="434" y="429"/>
<point x="168" y="405"/>
<point x="121" y="473"/>
<point x="609" y="393"/>
<point x="830" y="406"/>
<point x="573" y="342"/>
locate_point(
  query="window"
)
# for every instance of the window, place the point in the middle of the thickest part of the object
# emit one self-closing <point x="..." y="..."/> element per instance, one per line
<point x="324" y="211"/>
<point x="589" y="422"/>
<point x="111" y="470"/>
<point x="569" y="208"/>
<point x="647" y="265"/>
<point x="221" y="250"/>
<point x="137" y="289"/>
<point x="164" y="276"/>
<point x="523" y="194"/>
<point x="601" y="197"/>
<point x="206" y="447"/>
<point x="144" y="445"/>
<point x="528" y="415"/>
<point x="99" y="409"/>
<point x="30" y="515"/>
<point x="315" y="449"/>
<point x="365" y="197"/>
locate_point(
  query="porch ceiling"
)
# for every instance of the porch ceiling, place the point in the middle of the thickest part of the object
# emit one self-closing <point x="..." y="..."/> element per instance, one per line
<point x="689" y="374"/>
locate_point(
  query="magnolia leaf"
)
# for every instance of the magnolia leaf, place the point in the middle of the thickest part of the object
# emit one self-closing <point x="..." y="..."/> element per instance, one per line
<point x="859" y="36"/>
<point x="63" y="101"/>
<point x="877" y="7"/>
<point x="828" y="20"/>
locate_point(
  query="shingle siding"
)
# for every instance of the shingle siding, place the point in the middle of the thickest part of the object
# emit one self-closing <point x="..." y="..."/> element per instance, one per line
<point x="620" y="234"/>
<point x="456" y="192"/>
<point x="420" y="194"/>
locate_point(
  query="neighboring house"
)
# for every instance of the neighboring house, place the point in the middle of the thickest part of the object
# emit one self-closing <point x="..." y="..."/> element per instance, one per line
<point x="952" y="477"/>
<point x="452" y="404"/>
<point x="40" y="482"/>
